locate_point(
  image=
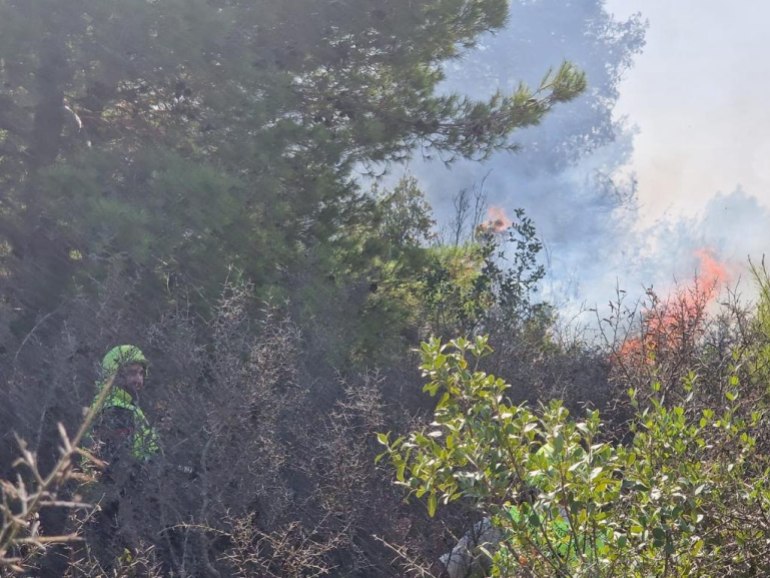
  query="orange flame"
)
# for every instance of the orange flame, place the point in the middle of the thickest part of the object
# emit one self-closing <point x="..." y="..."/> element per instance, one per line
<point x="497" y="221"/>
<point x="712" y="272"/>
<point x="670" y="324"/>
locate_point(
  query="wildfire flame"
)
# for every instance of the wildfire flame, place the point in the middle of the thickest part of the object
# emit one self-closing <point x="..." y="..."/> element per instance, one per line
<point x="712" y="272"/>
<point x="671" y="323"/>
<point x="497" y="220"/>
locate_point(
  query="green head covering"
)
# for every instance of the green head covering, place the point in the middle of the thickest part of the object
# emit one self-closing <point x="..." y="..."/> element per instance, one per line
<point x="119" y="356"/>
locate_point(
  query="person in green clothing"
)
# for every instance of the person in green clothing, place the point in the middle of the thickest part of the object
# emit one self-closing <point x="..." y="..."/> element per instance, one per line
<point x="121" y="428"/>
<point x="123" y="438"/>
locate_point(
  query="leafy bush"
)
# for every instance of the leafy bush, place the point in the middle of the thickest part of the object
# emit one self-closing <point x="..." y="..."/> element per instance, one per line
<point x="685" y="495"/>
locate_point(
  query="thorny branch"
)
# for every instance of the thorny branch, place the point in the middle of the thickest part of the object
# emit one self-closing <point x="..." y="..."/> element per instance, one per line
<point x="21" y="503"/>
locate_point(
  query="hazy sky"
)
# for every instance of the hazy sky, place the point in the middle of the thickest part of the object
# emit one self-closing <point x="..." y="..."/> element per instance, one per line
<point x="699" y="97"/>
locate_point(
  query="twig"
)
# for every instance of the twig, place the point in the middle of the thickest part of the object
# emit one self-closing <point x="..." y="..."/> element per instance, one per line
<point x="31" y="331"/>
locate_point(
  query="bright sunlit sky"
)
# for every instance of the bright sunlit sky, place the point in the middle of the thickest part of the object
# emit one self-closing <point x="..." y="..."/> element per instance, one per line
<point x="700" y="97"/>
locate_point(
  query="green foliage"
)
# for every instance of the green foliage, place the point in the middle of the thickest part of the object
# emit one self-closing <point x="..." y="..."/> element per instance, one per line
<point x="190" y="136"/>
<point x="682" y="497"/>
<point x="488" y="282"/>
<point x="761" y="347"/>
<point x="456" y="290"/>
<point x="410" y="285"/>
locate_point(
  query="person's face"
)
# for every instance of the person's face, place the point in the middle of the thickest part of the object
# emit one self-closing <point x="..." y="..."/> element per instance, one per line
<point x="131" y="378"/>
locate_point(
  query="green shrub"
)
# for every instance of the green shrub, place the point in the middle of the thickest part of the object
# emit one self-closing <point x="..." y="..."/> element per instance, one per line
<point x="684" y="495"/>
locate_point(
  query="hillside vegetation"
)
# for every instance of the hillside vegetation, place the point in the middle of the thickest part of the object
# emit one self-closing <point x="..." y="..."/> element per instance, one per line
<point x="340" y="385"/>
